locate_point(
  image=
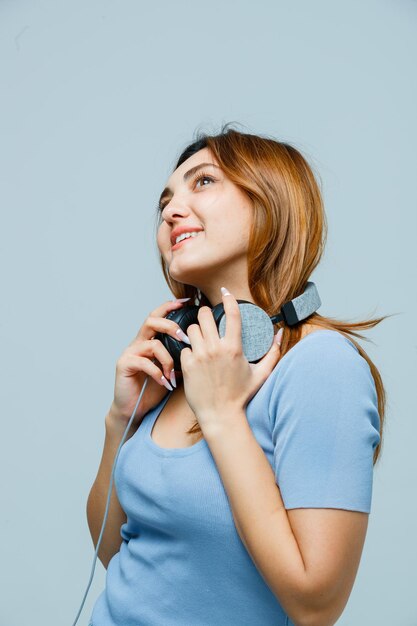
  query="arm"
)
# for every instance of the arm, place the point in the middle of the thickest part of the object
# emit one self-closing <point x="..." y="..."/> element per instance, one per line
<point x="96" y="503"/>
<point x="308" y="557"/>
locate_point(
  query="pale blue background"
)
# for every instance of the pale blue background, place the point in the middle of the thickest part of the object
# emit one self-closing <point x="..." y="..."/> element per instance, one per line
<point x="97" y="101"/>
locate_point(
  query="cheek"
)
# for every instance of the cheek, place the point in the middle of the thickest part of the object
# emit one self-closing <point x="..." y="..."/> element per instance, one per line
<point x="162" y="239"/>
<point x="228" y="238"/>
<point x="158" y="243"/>
<point x="233" y="227"/>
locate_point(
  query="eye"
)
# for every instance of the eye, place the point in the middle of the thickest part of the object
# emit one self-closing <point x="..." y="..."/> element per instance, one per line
<point x="196" y="179"/>
<point x="202" y="176"/>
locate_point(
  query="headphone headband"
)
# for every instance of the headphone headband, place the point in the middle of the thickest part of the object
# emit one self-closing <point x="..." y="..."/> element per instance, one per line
<point x="257" y="325"/>
<point x="299" y="308"/>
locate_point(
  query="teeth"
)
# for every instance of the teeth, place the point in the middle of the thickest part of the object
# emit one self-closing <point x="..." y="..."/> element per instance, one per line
<point x="185" y="236"/>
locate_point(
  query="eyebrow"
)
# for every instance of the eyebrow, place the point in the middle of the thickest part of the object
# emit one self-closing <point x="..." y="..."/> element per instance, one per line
<point x="167" y="192"/>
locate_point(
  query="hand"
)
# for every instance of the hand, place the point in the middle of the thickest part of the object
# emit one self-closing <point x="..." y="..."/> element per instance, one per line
<point x="218" y="379"/>
<point x="136" y="362"/>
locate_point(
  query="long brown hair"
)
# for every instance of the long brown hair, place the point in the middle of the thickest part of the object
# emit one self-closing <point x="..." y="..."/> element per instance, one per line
<point x="287" y="237"/>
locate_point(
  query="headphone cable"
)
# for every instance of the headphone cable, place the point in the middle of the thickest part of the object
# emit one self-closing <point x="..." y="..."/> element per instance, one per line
<point x="108" y="499"/>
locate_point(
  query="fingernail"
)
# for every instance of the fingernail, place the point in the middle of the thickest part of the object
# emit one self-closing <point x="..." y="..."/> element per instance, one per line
<point x="180" y="299"/>
<point x="183" y="336"/>
<point x="224" y="291"/>
<point x="278" y="336"/>
<point x="172" y="378"/>
<point x="166" y="383"/>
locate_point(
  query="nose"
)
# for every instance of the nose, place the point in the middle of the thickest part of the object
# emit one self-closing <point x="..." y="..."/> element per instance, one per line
<point x="173" y="209"/>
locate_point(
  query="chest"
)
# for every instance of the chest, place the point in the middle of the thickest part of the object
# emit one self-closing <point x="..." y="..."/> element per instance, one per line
<point x="176" y="417"/>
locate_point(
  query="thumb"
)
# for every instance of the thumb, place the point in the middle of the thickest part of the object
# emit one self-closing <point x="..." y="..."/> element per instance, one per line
<point x="275" y="349"/>
<point x="268" y="362"/>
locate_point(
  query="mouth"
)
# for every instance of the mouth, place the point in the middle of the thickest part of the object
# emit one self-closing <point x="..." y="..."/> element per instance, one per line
<point x="184" y="241"/>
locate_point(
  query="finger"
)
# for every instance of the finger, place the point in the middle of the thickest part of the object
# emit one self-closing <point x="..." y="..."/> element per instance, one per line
<point x="145" y="331"/>
<point x="265" y="366"/>
<point x="185" y="354"/>
<point x="153" y="325"/>
<point x="153" y="348"/>
<point x="233" y="333"/>
<point x="195" y="337"/>
<point x="170" y="304"/>
<point x="208" y="326"/>
<point x="130" y="365"/>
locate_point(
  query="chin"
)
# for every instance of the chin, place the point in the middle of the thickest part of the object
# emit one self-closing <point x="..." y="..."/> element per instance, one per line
<point x="187" y="266"/>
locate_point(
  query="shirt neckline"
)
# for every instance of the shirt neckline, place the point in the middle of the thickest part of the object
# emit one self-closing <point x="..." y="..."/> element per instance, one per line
<point x="178" y="452"/>
<point x="168" y="451"/>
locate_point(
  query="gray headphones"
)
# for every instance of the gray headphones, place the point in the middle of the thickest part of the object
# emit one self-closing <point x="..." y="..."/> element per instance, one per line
<point x="257" y="326"/>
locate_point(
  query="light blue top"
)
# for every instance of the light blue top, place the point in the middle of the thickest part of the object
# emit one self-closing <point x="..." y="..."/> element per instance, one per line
<point x="182" y="562"/>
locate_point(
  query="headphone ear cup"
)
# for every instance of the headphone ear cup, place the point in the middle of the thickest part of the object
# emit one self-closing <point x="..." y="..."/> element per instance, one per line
<point x="184" y="317"/>
<point x="257" y="332"/>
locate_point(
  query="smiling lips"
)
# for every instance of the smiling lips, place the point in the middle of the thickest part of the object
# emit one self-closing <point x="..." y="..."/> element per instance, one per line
<point x="177" y="245"/>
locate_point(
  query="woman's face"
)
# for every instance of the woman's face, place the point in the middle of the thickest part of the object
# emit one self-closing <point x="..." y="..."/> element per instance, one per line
<point x="206" y="200"/>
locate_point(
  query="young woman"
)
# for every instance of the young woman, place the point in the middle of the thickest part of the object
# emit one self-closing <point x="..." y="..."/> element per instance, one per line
<point x="243" y="493"/>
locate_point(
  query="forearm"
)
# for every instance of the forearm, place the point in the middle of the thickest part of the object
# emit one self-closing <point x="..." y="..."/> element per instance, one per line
<point x="97" y="499"/>
<point x="261" y="519"/>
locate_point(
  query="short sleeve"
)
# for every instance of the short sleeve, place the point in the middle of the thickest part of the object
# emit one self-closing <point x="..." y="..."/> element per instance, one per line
<point x="325" y="425"/>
